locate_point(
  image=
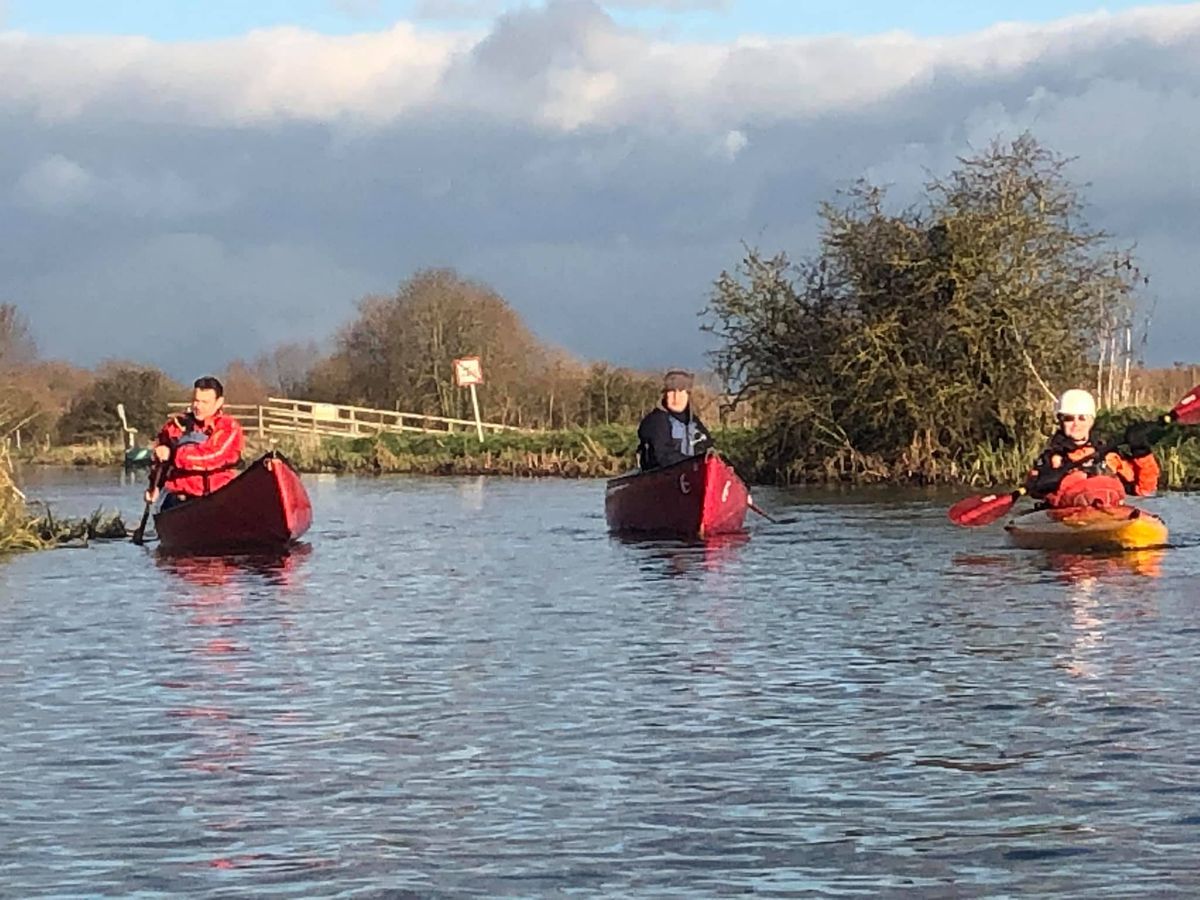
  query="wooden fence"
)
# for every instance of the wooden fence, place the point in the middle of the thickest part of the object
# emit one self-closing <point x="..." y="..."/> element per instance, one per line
<point x="279" y="416"/>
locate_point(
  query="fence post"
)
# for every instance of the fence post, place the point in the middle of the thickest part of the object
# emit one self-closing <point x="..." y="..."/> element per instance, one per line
<point x="261" y="432"/>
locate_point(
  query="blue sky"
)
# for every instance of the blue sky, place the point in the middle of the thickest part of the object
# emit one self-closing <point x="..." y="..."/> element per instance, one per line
<point x="172" y="20"/>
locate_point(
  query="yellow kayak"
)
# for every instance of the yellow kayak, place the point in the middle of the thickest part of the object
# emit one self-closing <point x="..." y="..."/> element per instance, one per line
<point x="1088" y="528"/>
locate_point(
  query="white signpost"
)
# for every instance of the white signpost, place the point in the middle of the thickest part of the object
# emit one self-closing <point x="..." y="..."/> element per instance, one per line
<point x="468" y="372"/>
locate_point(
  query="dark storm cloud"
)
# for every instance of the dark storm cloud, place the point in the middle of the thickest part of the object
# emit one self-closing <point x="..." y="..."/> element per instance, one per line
<point x="191" y="206"/>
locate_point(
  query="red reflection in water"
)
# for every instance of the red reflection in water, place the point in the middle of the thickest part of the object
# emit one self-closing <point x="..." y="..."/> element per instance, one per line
<point x="721" y="550"/>
<point x="681" y="558"/>
<point x="270" y="861"/>
<point x="280" y="569"/>
<point x="224" y="602"/>
<point x="199" y="712"/>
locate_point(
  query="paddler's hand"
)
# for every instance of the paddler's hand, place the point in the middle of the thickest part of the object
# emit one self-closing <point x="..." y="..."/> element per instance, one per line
<point x="151" y="495"/>
<point x="1140" y="436"/>
<point x="162" y="452"/>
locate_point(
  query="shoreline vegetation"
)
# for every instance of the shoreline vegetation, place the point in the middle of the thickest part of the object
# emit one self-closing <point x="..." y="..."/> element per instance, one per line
<point x="21" y="530"/>
<point x="608" y="451"/>
<point x="920" y="346"/>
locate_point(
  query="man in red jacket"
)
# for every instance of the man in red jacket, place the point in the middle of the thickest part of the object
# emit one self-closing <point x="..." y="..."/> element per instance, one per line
<point x="200" y="447"/>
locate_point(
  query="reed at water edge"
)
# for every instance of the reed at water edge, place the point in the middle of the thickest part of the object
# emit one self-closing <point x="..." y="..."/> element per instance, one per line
<point x="595" y="453"/>
<point x="22" y="530"/>
<point x="608" y="451"/>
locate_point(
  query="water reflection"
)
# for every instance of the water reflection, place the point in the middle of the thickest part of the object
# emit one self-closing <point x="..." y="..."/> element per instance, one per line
<point x="282" y="569"/>
<point x="675" y="558"/>
<point x="1099" y="598"/>
<point x="439" y="703"/>
<point x="132" y="476"/>
<point x="231" y="713"/>
<point x="470" y="492"/>
<point x="1087" y="568"/>
<point x="1078" y="569"/>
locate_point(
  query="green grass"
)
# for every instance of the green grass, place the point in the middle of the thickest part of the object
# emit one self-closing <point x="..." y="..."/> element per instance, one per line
<point x="596" y="453"/>
<point x="611" y="450"/>
<point x="94" y="454"/>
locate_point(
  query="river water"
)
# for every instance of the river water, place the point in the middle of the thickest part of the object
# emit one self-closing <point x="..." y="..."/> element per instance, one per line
<point x="465" y="687"/>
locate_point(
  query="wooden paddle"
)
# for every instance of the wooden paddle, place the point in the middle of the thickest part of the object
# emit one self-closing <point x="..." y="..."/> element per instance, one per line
<point x="754" y="507"/>
<point x="985" y="509"/>
<point x="158" y="477"/>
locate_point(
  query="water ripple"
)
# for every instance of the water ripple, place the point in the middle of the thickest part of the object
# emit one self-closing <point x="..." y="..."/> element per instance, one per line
<point x="464" y="687"/>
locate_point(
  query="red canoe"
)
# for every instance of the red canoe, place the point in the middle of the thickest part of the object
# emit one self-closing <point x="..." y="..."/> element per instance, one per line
<point x="264" y="508"/>
<point x="696" y="498"/>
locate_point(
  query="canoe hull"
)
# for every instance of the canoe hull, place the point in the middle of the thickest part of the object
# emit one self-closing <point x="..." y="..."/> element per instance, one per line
<point x="1088" y="528"/>
<point x="694" y="499"/>
<point x="265" y="508"/>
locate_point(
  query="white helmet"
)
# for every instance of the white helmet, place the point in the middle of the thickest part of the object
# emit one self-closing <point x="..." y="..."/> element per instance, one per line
<point x="1076" y="402"/>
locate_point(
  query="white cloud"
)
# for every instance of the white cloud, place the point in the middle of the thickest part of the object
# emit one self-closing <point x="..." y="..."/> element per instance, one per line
<point x="565" y="66"/>
<point x="267" y="76"/>
<point x="55" y="183"/>
<point x="731" y="144"/>
<point x="670" y="5"/>
<point x="444" y="10"/>
<point x="357" y="8"/>
<point x="553" y="153"/>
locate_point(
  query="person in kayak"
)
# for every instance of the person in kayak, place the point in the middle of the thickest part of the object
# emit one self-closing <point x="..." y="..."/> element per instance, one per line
<point x="671" y="432"/>
<point x="200" y="447"/>
<point x="1074" y="471"/>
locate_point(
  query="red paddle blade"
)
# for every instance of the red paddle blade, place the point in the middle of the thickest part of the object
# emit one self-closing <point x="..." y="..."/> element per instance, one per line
<point x="1187" y="410"/>
<point x="982" y="510"/>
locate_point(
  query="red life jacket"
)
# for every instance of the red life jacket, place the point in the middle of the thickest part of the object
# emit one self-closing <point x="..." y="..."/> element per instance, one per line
<point x="202" y="466"/>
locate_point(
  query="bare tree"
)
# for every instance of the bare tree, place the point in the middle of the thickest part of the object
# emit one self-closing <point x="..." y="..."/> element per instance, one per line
<point x="17" y="347"/>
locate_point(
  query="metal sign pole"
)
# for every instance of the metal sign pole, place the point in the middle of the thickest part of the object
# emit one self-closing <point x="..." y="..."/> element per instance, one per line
<point x="475" y="404"/>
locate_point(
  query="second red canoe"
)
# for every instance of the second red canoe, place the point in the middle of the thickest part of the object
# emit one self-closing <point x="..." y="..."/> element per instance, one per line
<point x="694" y="499"/>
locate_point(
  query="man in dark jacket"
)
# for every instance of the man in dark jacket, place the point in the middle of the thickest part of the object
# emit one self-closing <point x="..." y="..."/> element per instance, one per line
<point x="670" y="432"/>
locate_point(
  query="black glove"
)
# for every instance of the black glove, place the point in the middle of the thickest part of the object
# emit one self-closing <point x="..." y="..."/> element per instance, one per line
<point x="1140" y="436"/>
<point x="1047" y="479"/>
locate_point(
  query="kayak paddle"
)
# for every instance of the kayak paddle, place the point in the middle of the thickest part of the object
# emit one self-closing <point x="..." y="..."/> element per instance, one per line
<point x="1186" y="411"/>
<point x="157" y="479"/>
<point x="983" y="510"/>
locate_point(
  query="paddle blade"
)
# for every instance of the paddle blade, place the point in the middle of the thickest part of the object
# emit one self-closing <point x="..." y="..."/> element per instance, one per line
<point x="983" y="510"/>
<point x="757" y="509"/>
<point x="139" y="534"/>
<point x="1187" y="410"/>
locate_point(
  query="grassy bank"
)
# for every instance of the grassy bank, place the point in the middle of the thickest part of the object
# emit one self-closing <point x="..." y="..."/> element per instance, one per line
<point x="93" y="454"/>
<point x="596" y="453"/>
<point x="608" y="451"/>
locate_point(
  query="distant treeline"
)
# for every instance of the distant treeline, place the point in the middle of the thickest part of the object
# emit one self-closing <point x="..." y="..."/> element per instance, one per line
<point x="919" y="344"/>
<point x="399" y="351"/>
<point x="397" y="354"/>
